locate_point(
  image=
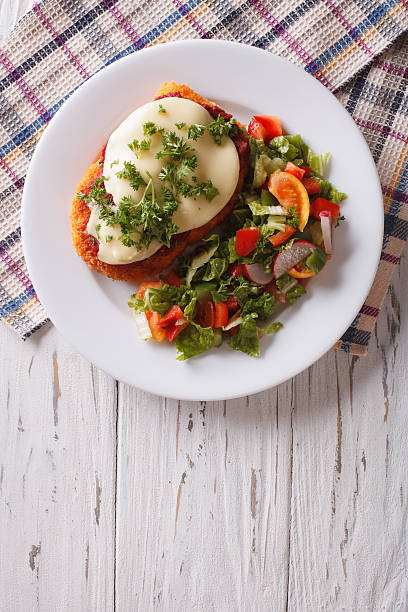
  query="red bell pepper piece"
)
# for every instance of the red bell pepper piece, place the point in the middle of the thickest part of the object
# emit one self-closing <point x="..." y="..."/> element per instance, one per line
<point x="280" y="237"/>
<point x="174" y="314"/>
<point x="173" y="330"/>
<point x="312" y="185"/>
<point x="246" y="240"/>
<point x="320" y="204"/>
<point x="295" y="170"/>
<point x="306" y="169"/>
<point x="221" y="314"/>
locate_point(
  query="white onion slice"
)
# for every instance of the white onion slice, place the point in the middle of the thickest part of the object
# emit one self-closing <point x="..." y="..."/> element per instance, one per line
<point x="142" y="326"/>
<point x="235" y="320"/>
<point x="326" y="222"/>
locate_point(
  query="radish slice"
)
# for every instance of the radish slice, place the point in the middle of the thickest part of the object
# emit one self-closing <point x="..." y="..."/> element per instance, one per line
<point x="257" y="274"/>
<point x="290" y="257"/>
<point x="326" y="222"/>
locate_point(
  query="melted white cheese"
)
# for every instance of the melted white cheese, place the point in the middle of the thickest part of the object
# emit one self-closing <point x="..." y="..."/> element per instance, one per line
<point x="111" y="249"/>
<point x="219" y="163"/>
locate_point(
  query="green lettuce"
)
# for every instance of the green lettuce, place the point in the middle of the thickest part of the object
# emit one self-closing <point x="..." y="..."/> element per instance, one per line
<point x="317" y="163"/>
<point x="290" y="287"/>
<point x="258" y="209"/>
<point x="329" y="192"/>
<point x="203" y="257"/>
<point x="259" y="307"/>
<point x="194" y="340"/>
<point x="247" y="338"/>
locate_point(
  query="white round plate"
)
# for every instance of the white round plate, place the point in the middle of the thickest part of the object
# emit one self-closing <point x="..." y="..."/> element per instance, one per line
<point x="91" y="311"/>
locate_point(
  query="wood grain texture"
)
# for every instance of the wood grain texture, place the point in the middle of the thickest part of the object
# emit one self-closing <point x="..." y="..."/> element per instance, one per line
<point x="57" y="477"/>
<point x="290" y="500"/>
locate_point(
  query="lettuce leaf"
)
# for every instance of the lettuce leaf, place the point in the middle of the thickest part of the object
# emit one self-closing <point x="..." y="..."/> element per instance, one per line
<point x="272" y="328"/>
<point x="215" y="268"/>
<point x="329" y="192"/>
<point x="258" y="209"/>
<point x="246" y="339"/>
<point x="291" y="288"/>
<point x="259" y="307"/>
<point x="203" y="257"/>
<point x="317" y="163"/>
<point x="161" y="300"/>
<point x="194" y="340"/>
<point x="285" y="148"/>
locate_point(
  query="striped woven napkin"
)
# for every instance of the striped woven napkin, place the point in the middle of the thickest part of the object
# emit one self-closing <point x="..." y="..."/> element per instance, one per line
<point x="61" y="43"/>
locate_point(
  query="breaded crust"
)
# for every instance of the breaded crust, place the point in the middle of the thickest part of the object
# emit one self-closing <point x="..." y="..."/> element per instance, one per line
<point x="87" y="246"/>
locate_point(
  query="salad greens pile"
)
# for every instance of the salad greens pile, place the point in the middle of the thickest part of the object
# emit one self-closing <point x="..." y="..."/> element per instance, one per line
<point x="216" y="289"/>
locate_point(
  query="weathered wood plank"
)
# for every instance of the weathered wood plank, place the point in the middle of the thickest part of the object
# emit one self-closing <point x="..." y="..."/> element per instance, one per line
<point x="206" y="526"/>
<point x="57" y="477"/>
<point x="349" y="499"/>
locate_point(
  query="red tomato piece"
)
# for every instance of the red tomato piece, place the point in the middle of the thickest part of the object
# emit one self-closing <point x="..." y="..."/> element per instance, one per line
<point x="306" y="169"/>
<point x="173" y="330"/>
<point x="272" y="125"/>
<point x="256" y="129"/>
<point x="312" y="185"/>
<point x="174" y="314"/>
<point x="232" y="303"/>
<point x="280" y="237"/>
<point x="246" y="240"/>
<point x="295" y="170"/>
<point x="205" y="313"/>
<point x="221" y="314"/>
<point x="321" y="204"/>
<point x="172" y="278"/>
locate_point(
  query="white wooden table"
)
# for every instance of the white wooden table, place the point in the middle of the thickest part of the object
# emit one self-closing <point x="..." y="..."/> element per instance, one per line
<point x="294" y="499"/>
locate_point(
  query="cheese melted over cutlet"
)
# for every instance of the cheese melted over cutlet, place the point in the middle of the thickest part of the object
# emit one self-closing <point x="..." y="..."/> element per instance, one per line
<point x="218" y="163"/>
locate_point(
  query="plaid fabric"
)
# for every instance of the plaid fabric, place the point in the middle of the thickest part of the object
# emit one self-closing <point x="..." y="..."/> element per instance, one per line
<point x="61" y="43"/>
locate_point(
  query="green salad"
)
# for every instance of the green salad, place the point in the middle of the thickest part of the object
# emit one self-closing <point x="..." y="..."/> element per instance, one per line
<point x="278" y="235"/>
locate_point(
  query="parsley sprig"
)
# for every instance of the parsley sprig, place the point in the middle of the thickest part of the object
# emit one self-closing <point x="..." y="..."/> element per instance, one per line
<point x="141" y="222"/>
<point x="217" y="128"/>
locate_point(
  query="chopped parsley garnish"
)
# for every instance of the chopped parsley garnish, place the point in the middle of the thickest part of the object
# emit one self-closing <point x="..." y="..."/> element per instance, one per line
<point x="180" y="125"/>
<point x="173" y="146"/>
<point x="137" y="147"/>
<point x="217" y="128"/>
<point x="132" y="175"/>
<point x="97" y="193"/>
<point x="293" y="217"/>
<point x="195" y="131"/>
<point x="149" y="128"/>
<point x="162" y="109"/>
<point x="114" y="163"/>
<point x="142" y="221"/>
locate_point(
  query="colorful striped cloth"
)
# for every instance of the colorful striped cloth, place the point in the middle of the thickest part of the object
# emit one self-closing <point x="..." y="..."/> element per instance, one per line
<point x="61" y="43"/>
